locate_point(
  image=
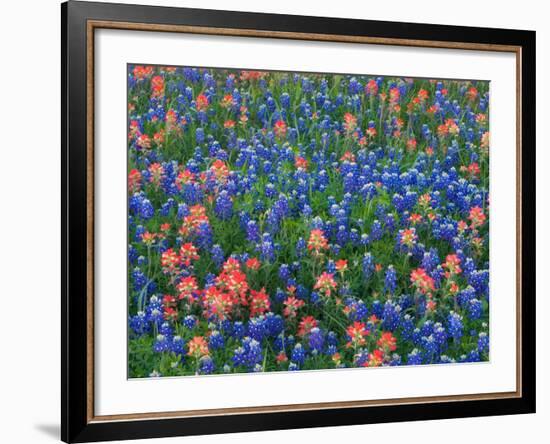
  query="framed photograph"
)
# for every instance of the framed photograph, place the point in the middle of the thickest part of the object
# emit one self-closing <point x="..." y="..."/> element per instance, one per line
<point x="275" y="221"/>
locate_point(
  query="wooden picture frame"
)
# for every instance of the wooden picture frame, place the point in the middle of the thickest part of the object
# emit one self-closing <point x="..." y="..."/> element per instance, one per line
<point x="79" y="22"/>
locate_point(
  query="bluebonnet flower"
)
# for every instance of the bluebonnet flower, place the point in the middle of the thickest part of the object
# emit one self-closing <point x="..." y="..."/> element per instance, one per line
<point x="139" y="279"/>
<point x="178" y="346"/>
<point x="204" y="236"/>
<point x="407" y="327"/>
<point x="332" y="338"/>
<point x="217" y="255"/>
<point x="166" y="329"/>
<point x="430" y="260"/>
<point x="356" y="310"/>
<point x="430" y="348"/>
<point x="479" y="279"/>
<point x="472" y="356"/>
<point x="146" y="209"/>
<point x="390" y="280"/>
<point x="284" y="272"/>
<point x="474" y="309"/>
<point x="300" y="247"/>
<point x="316" y="340"/>
<point x="206" y="365"/>
<point x="427" y="328"/>
<point x="139" y="324"/>
<point x="390" y="316"/>
<point x="342" y="235"/>
<point x="440" y="335"/>
<point x="216" y="340"/>
<point x="376" y="231"/>
<point x="257" y="328"/>
<point x="414" y="357"/>
<point x="224" y="206"/>
<point x="465" y="296"/>
<point x="367" y="266"/>
<point x="274" y="324"/>
<point x="248" y="354"/>
<point x="190" y="321"/>
<point x="252" y="231"/>
<point x="239" y="330"/>
<point x="154" y="311"/>
<point x="361" y="358"/>
<point x="298" y="355"/>
<point x="140" y="231"/>
<point x="267" y="248"/>
<point x="483" y="343"/>
<point x="315" y="298"/>
<point x="161" y="344"/>
<point x="377" y="308"/>
<point x="455" y="325"/>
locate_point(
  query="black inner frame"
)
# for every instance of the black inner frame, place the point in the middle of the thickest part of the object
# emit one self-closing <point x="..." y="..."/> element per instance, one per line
<point x="74" y="423"/>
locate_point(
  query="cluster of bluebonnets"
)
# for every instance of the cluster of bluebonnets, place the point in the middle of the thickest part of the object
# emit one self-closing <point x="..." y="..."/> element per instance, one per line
<point x="293" y="221"/>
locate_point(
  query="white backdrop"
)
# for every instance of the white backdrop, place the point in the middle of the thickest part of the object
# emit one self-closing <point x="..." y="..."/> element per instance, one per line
<point x="30" y="189"/>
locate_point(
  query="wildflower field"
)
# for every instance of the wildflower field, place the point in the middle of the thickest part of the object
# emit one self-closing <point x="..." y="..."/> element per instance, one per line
<point x="297" y="221"/>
